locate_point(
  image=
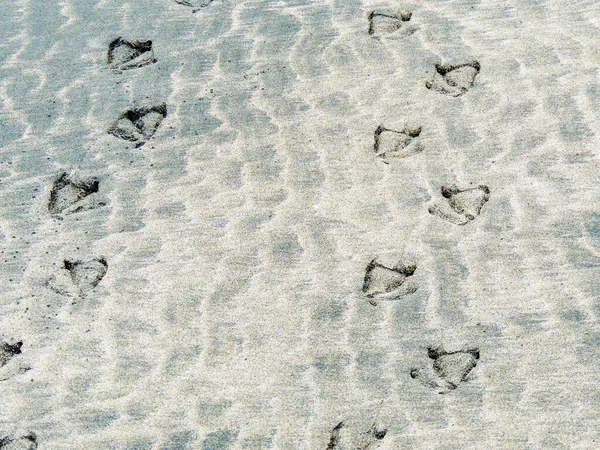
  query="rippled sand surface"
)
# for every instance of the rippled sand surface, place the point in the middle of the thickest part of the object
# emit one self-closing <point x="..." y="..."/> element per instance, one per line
<point x="208" y="294"/>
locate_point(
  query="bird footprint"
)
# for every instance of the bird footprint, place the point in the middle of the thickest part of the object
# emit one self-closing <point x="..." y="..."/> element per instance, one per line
<point x="78" y="277"/>
<point x="454" y="80"/>
<point x="387" y="283"/>
<point x="67" y="192"/>
<point x="124" y="55"/>
<point x="138" y="125"/>
<point x="462" y="205"/>
<point x="8" y="351"/>
<point x="448" y="369"/>
<point x="399" y="144"/>
<point x="387" y="23"/>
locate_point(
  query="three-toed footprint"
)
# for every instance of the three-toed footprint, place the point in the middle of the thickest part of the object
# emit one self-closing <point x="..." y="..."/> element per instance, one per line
<point x="386" y="23"/>
<point x="447" y="369"/>
<point x="454" y="79"/>
<point x="139" y="124"/>
<point x="77" y="277"/>
<point x="123" y="54"/>
<point x="398" y="144"/>
<point x="462" y="205"/>
<point x="387" y="283"/>
<point x="68" y="193"/>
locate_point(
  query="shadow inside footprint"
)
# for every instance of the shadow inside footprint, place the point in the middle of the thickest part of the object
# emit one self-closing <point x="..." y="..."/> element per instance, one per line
<point x="448" y="369"/>
<point x="454" y="80"/>
<point x="398" y="144"/>
<point x="139" y="125"/>
<point x="27" y="442"/>
<point x="380" y="23"/>
<point x="8" y="351"/>
<point x="463" y="205"/>
<point x="123" y="54"/>
<point x="385" y="283"/>
<point x="86" y="274"/>
<point x="67" y="191"/>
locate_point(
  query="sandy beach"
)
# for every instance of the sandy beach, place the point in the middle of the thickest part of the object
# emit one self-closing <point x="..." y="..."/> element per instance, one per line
<point x="299" y="224"/>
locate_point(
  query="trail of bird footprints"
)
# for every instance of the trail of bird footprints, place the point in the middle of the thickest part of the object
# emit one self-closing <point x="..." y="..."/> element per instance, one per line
<point x="445" y="370"/>
<point x="70" y="194"/>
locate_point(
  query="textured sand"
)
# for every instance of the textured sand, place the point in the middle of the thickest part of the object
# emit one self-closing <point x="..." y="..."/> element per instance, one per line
<point x="232" y="313"/>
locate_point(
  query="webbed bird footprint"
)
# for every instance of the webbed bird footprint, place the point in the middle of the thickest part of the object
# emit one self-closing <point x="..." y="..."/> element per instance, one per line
<point x="139" y="125"/>
<point x="27" y="442"/>
<point x="68" y="192"/>
<point x="448" y="369"/>
<point x="387" y="23"/>
<point x="78" y="277"/>
<point x="454" y="80"/>
<point x="398" y="144"/>
<point x="462" y="205"/>
<point x="387" y="283"/>
<point x="123" y="54"/>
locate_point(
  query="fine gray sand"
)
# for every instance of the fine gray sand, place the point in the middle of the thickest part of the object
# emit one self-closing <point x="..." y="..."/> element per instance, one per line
<point x="299" y="224"/>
